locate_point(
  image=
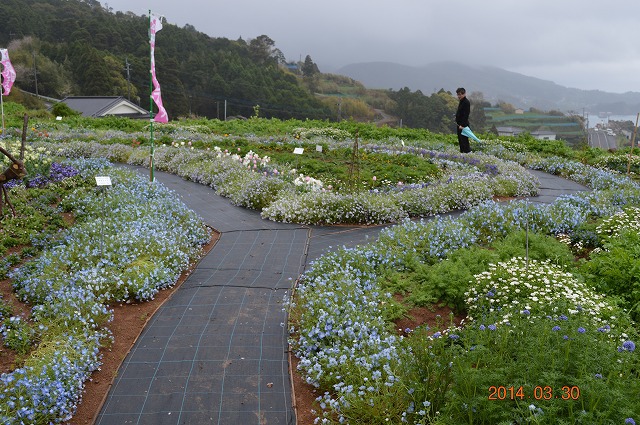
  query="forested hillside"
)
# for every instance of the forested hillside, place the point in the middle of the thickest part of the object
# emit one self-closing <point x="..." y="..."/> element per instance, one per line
<point x="79" y="48"/>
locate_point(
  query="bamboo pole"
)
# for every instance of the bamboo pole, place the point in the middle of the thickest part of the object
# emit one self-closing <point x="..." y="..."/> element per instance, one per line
<point x="151" y="161"/>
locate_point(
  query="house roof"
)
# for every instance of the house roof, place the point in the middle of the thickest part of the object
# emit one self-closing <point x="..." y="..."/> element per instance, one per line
<point x="514" y="130"/>
<point x="100" y="106"/>
<point x="542" y="133"/>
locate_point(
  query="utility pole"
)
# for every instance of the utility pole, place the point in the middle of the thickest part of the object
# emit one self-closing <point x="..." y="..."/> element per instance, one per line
<point x="128" y="69"/>
<point x="35" y="72"/>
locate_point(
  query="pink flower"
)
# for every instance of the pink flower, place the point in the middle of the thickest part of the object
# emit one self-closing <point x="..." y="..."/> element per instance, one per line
<point x="374" y="178"/>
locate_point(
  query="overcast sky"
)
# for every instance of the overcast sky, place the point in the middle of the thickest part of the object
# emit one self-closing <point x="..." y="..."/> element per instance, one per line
<point x="585" y="44"/>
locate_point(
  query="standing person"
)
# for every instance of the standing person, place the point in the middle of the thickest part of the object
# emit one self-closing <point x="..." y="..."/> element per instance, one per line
<point x="462" y="119"/>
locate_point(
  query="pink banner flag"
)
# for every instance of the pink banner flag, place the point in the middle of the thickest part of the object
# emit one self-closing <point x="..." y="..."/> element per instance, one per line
<point x="161" y="116"/>
<point x="8" y="73"/>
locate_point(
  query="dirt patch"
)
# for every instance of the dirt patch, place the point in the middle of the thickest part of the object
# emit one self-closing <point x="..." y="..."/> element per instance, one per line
<point x="304" y="395"/>
<point x="437" y="317"/>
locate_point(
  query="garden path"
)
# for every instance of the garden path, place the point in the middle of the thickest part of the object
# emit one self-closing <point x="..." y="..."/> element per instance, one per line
<point x="216" y="351"/>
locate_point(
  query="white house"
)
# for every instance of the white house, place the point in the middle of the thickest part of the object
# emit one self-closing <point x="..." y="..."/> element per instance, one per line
<point x="544" y="135"/>
<point x="509" y="131"/>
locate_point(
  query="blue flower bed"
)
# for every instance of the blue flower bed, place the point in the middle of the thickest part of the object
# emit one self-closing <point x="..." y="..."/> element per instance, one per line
<point x="128" y="242"/>
<point x="368" y="372"/>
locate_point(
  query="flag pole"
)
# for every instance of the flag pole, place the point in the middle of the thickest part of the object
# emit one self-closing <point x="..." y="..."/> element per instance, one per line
<point x="151" y="159"/>
<point x="2" y="107"/>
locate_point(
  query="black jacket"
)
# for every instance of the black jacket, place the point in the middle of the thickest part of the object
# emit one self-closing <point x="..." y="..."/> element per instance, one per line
<point x="464" y="109"/>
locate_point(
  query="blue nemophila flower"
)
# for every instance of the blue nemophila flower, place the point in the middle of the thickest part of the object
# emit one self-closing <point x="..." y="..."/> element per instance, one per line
<point x="454" y="336"/>
<point x="630" y="421"/>
<point x="482" y="327"/>
<point x="565" y="337"/>
<point x="526" y="312"/>
<point x="628" y="345"/>
<point x="563" y="317"/>
<point x="555" y="328"/>
<point x="581" y="330"/>
<point x="598" y="376"/>
<point x="492" y="327"/>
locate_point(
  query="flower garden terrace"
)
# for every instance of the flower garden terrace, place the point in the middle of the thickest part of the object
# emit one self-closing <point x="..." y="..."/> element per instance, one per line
<point x="381" y="182"/>
<point x="547" y="340"/>
<point x="342" y="317"/>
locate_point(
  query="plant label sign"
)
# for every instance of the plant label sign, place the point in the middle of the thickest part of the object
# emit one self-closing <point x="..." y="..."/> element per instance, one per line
<point x="298" y="151"/>
<point x="103" y="180"/>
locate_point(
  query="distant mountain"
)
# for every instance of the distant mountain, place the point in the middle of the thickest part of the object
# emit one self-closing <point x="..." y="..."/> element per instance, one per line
<point x="495" y="84"/>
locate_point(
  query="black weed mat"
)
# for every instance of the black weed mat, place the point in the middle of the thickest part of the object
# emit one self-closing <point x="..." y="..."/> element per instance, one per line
<point x="216" y="351"/>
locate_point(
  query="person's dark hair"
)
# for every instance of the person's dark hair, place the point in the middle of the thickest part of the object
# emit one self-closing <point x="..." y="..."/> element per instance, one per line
<point x="461" y="90"/>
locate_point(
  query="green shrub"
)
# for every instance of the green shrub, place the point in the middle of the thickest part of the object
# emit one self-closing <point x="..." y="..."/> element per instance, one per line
<point x="61" y="109"/>
<point x="615" y="270"/>
<point x="448" y="280"/>
<point x="534" y="246"/>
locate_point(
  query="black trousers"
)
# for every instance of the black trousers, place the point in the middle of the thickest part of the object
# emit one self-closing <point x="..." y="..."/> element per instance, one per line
<point x="463" y="141"/>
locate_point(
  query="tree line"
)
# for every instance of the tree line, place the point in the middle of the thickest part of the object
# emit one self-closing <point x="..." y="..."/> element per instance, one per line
<point x="81" y="48"/>
<point x="78" y="47"/>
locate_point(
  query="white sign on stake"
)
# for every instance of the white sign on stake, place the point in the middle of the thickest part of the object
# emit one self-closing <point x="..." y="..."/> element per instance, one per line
<point x="298" y="151"/>
<point x="318" y="148"/>
<point x="103" y="180"/>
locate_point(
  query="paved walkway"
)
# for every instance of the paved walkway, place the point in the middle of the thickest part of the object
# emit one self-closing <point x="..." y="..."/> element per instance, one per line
<point x="216" y="351"/>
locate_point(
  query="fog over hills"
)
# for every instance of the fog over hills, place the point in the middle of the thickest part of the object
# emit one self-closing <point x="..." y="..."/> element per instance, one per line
<point x="495" y="83"/>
